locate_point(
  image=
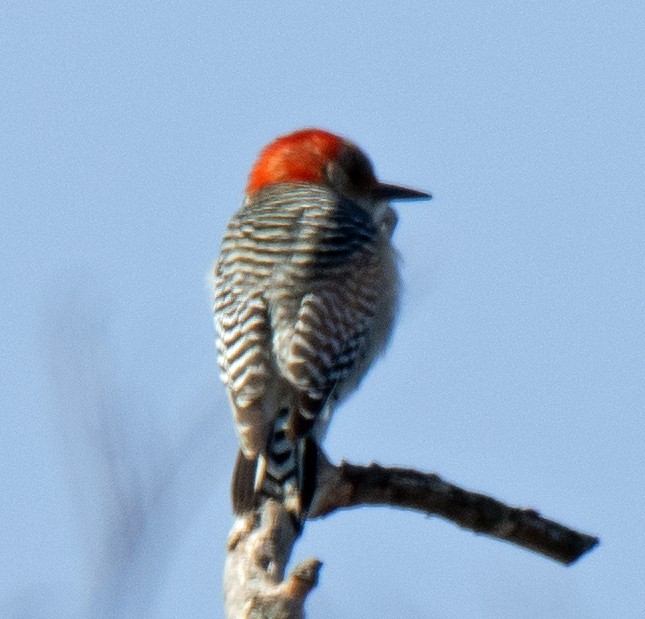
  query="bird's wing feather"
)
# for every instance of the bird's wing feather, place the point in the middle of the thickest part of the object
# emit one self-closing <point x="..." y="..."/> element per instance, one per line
<point x="330" y="334"/>
<point x="331" y="330"/>
<point x="244" y="345"/>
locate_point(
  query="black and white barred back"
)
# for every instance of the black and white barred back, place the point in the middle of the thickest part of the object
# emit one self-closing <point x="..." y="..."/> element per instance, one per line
<point x="304" y="299"/>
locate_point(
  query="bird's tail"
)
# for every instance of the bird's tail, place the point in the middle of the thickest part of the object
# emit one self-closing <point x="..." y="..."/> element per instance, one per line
<point x="286" y="472"/>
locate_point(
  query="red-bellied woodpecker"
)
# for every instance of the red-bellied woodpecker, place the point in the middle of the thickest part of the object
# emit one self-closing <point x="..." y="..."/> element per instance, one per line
<point x="305" y="295"/>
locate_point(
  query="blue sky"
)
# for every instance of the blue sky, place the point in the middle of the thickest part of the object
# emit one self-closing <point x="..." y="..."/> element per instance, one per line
<point x="126" y="134"/>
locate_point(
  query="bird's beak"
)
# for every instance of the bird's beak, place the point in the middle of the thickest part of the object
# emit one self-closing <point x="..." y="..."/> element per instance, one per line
<point x="383" y="191"/>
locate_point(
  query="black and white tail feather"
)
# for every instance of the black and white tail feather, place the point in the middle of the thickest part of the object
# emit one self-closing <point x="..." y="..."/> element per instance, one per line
<point x="286" y="472"/>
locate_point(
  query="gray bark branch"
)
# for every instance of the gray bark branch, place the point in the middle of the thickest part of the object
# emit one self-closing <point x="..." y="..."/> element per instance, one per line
<point x="260" y="543"/>
<point x="348" y="485"/>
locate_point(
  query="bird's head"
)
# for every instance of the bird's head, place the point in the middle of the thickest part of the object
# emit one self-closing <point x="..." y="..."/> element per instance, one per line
<point x="322" y="158"/>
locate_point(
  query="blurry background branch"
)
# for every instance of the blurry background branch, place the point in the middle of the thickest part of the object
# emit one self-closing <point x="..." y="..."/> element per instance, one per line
<point x="135" y="487"/>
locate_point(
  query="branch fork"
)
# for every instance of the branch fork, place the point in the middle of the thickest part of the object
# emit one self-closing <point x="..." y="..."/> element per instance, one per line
<point x="260" y="542"/>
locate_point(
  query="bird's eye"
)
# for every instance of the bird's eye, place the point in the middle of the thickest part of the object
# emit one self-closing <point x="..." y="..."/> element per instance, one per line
<point x="354" y="171"/>
<point x="351" y="173"/>
<point x="357" y="169"/>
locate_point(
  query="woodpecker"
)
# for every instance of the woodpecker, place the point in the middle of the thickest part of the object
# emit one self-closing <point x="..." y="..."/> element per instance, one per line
<point x="305" y="295"/>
